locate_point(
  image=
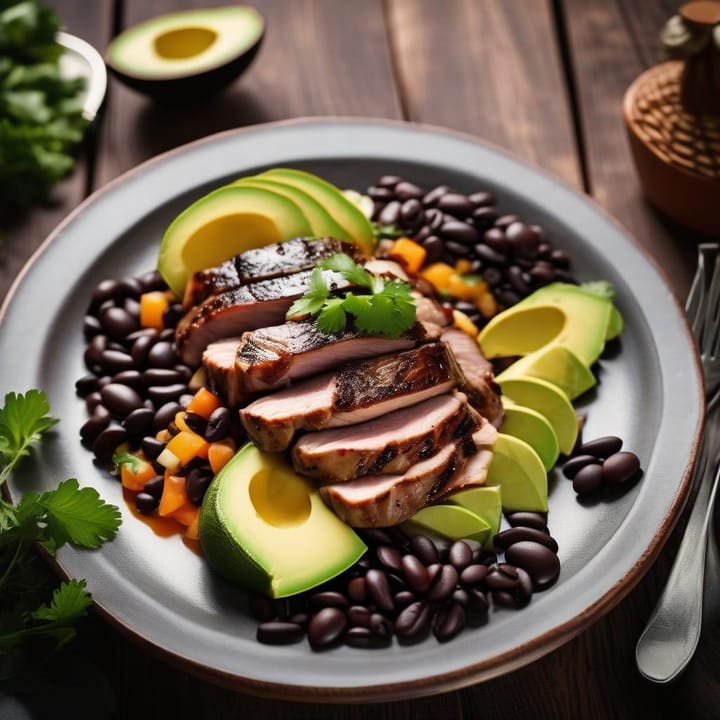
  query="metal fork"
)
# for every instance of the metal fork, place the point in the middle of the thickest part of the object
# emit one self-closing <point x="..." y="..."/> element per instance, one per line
<point x="671" y="636"/>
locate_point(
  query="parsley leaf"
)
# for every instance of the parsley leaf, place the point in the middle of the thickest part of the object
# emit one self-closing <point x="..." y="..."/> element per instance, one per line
<point x="69" y="603"/>
<point x="387" y="309"/>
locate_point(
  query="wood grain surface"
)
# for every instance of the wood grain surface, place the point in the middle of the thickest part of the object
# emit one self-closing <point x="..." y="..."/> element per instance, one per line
<point x="543" y="79"/>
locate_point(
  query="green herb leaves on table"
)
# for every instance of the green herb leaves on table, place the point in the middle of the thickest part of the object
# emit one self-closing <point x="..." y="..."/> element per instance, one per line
<point x="37" y="618"/>
<point x="379" y="307"/>
<point x="40" y="113"/>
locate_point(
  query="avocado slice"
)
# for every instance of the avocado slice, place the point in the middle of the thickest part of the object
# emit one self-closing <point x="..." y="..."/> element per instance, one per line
<point x="344" y="211"/>
<point x="266" y="528"/>
<point x="321" y="223"/>
<point x="484" y="501"/>
<point x="560" y="313"/>
<point x="222" y="224"/>
<point x="187" y="52"/>
<point x="450" y="521"/>
<point x="519" y="472"/>
<point x="533" y="428"/>
<point x="556" y="364"/>
<point x="549" y="401"/>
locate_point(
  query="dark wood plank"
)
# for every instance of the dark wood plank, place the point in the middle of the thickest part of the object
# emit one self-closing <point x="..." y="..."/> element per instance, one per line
<point x="303" y="68"/>
<point x="610" y="46"/>
<point x="488" y="68"/>
<point x="90" y="21"/>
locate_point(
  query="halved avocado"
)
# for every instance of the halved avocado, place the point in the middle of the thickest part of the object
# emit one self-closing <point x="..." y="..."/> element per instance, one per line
<point x="344" y="211"/>
<point x="188" y="52"/>
<point x="321" y="223"/>
<point x="222" y="224"/>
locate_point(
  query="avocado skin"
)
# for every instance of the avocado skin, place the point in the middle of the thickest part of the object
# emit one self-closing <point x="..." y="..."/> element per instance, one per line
<point x="178" y="90"/>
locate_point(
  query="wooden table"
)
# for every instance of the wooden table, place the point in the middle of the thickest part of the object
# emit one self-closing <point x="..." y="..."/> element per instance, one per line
<point x="542" y="78"/>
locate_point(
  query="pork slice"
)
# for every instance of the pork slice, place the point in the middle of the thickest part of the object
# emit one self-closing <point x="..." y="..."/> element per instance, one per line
<point x="268" y="358"/>
<point x="429" y="310"/>
<point x="220" y="373"/>
<point x="483" y="391"/>
<point x="356" y="392"/>
<point x="386" y="500"/>
<point x="247" y="307"/>
<point x="475" y="469"/>
<point x="262" y="264"/>
<point x="388" y="444"/>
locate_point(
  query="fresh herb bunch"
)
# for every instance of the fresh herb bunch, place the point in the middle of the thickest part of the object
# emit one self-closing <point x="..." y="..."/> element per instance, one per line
<point x="41" y="118"/>
<point x="386" y="307"/>
<point x="36" y="617"/>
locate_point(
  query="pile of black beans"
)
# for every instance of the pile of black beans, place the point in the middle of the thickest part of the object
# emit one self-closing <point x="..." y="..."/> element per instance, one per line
<point x="411" y="587"/>
<point x="601" y="463"/>
<point x="514" y="258"/>
<point x="136" y="384"/>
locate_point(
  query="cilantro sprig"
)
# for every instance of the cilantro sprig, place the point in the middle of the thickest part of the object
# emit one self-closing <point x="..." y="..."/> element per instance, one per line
<point x="379" y="307"/>
<point x="33" y="613"/>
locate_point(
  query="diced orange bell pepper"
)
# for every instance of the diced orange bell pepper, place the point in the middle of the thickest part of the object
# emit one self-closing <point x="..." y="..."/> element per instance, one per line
<point x="409" y="253"/>
<point x="220" y="453"/>
<point x="193" y="529"/>
<point x="464" y="323"/>
<point x="152" y="306"/>
<point x="438" y="275"/>
<point x="186" y="445"/>
<point x="174" y="494"/>
<point x="135" y="480"/>
<point x="185" y="514"/>
<point x="204" y="403"/>
<point x="463" y="266"/>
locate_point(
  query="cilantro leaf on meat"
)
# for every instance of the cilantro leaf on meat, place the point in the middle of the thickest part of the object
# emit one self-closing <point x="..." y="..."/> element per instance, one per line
<point x="312" y="301"/>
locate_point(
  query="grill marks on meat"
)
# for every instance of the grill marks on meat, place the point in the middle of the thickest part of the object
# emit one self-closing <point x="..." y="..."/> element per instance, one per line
<point x="483" y="392"/>
<point x="270" y="357"/>
<point x="231" y="313"/>
<point x="262" y="264"/>
<point x="388" y="445"/>
<point x="354" y="393"/>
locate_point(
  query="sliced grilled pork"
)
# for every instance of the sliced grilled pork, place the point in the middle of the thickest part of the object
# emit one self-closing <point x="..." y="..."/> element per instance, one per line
<point x="262" y="264"/>
<point x="221" y="374"/>
<point x="268" y="358"/>
<point x="483" y="392"/>
<point x="430" y="311"/>
<point x="353" y="393"/>
<point x="388" y="444"/>
<point x="385" y="500"/>
<point x="251" y="306"/>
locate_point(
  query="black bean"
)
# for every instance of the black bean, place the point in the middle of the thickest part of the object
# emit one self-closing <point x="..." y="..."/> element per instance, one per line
<point x="601" y="447"/>
<point x="92" y="401"/>
<point x="504" y="598"/>
<point x="218" y="424"/>
<point x="107" y="441"/>
<point x="412" y="214"/>
<point x="165" y="415"/>
<point x="91" y="327"/>
<point x="377" y="536"/>
<point x="380" y="625"/>
<point x="473" y="575"/>
<point x="363" y="637"/>
<point x="105" y="306"/>
<point x="459" y="231"/>
<point x="508" y="298"/>
<point x="456" y="204"/>
<point x="382" y="194"/>
<point x="152" y="280"/>
<point x="403" y="598"/>
<point x="390" y="557"/>
<point x="560" y="259"/>
<point x="141" y="348"/>
<point x="85" y="385"/>
<point x="434" y="219"/>
<point x="541" y="563"/>
<point x="456" y="248"/>
<point x="105" y="290"/>
<point x="197" y="423"/>
<point x="505" y="221"/>
<point x="620" y="467"/>
<point x="146" y="503"/>
<point x="460" y="555"/>
<point x="262" y="607"/>
<point x="132" y="307"/>
<point x="523" y="592"/>
<point x="484" y="217"/>
<point x="424" y="548"/>
<point x="197" y="482"/>
<point x="518" y="280"/>
<point x="501" y="576"/>
<point x="326" y="627"/>
<point x="422" y="234"/>
<point x="130" y="287"/>
<point x="131" y="378"/>
<point x="542" y="273"/>
<point x="151" y="447"/>
<point x="523" y="239"/>
<point x="162" y="394"/>
<point x="155" y="486"/>
<point x="481" y="199"/>
<point x="443" y="585"/>
<point x="279" y="633"/>
<point x="405" y="190"/>
<point x="115" y="361"/>
<point x="95" y="424"/>
<point x="184" y="371"/>
<point x="506" y="538"/>
<point x="379" y="589"/>
<point x="434" y="249"/>
<point x="389" y="181"/>
<point x="588" y="479"/>
<point x="118" y="323"/>
<point x="172" y="315"/>
<point x="577" y="462"/>
<point x="490" y="256"/>
<point x="327" y="598"/>
<point x="477" y="603"/>
<point x="162" y="376"/>
<point x="358" y="615"/>
<point x="185" y="399"/>
<point x="390" y="213"/>
<point x="120" y="400"/>
<point x="162" y="355"/>
<point x="432" y="197"/>
<point x="449" y="620"/>
<point x="527" y="519"/>
<point x="94" y="351"/>
<point x="413" y="620"/>
<point x="138" y="422"/>
<point x="416" y="573"/>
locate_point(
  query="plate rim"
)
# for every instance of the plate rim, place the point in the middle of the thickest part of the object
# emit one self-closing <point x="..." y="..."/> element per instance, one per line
<point x="495" y="665"/>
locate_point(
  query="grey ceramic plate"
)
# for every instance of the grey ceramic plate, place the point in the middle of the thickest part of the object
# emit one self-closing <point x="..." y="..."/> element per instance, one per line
<point x="159" y="592"/>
